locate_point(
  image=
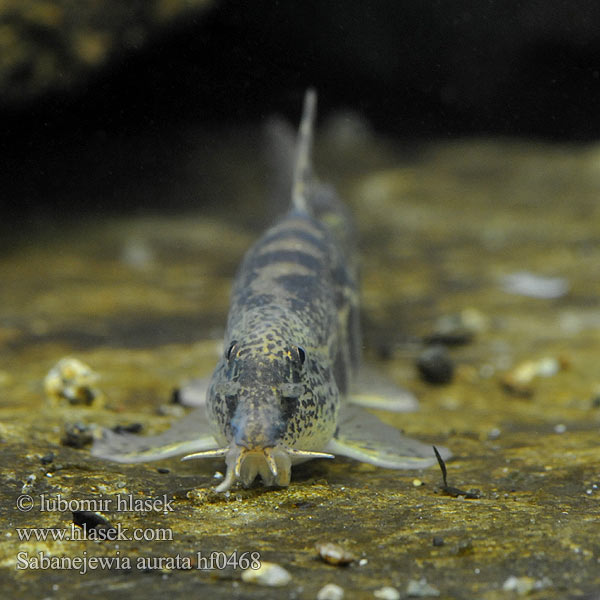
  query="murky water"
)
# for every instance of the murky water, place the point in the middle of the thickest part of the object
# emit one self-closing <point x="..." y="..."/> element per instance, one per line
<point x="143" y="301"/>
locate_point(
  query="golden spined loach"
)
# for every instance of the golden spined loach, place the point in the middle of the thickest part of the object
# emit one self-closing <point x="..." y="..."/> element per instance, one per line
<point x="287" y="387"/>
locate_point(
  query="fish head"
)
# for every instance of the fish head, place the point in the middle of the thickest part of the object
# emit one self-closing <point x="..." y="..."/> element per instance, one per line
<point x="268" y="411"/>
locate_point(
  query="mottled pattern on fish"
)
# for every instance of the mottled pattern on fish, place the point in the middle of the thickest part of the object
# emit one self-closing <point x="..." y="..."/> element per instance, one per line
<point x="289" y="321"/>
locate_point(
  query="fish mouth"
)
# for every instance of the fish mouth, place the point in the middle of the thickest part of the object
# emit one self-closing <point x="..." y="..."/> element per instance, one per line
<point x="273" y="464"/>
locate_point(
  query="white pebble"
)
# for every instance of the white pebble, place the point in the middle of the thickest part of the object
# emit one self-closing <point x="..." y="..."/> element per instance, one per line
<point x="560" y="428"/>
<point x="421" y="588"/>
<point x="525" y="585"/>
<point x="521" y="585"/>
<point x="268" y="574"/>
<point x="330" y="591"/>
<point x="548" y="366"/>
<point x="524" y="283"/>
<point x="387" y="593"/>
<point x="494" y="433"/>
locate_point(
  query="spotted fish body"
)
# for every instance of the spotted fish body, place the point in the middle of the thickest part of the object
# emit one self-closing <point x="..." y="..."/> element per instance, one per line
<point x="279" y="394"/>
<point x="292" y="339"/>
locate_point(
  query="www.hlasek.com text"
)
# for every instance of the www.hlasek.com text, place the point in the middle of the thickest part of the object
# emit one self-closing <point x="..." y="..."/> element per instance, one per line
<point x="82" y="532"/>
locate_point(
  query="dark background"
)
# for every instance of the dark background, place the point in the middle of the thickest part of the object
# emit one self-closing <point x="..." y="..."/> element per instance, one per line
<point x="415" y="70"/>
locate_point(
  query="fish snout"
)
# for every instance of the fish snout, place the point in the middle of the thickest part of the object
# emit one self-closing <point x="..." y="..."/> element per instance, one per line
<point x="258" y="422"/>
<point x="273" y="464"/>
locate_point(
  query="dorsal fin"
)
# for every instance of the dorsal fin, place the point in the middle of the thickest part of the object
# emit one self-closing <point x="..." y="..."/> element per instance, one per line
<point x="303" y="165"/>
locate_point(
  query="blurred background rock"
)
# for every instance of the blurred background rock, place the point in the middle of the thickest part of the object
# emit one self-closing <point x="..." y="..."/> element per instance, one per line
<point x="99" y="99"/>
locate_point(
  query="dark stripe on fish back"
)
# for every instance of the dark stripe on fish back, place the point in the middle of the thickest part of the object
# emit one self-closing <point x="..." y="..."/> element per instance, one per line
<point x="305" y="260"/>
<point x="303" y="231"/>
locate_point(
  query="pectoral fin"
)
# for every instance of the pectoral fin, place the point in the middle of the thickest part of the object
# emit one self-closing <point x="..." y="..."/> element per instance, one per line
<point x="362" y="436"/>
<point x="374" y="390"/>
<point x="191" y="434"/>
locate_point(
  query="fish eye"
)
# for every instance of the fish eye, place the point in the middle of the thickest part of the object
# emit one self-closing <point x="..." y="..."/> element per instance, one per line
<point x="232" y="350"/>
<point x="301" y="354"/>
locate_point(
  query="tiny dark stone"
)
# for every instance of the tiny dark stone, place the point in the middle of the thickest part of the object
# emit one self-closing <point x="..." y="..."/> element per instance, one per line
<point x="131" y="428"/>
<point x="47" y="458"/>
<point x="90" y="519"/>
<point x="176" y="396"/>
<point x="596" y="401"/>
<point x="435" y="365"/>
<point x="163" y="470"/>
<point x="77" y="435"/>
<point x="438" y="541"/>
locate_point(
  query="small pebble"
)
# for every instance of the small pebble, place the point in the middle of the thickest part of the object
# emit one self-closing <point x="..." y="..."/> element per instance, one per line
<point x="519" y="381"/>
<point x="77" y="435"/>
<point x="47" y="458"/>
<point x="438" y="541"/>
<point x="524" y="283"/>
<point x="334" y="554"/>
<point x="28" y="485"/>
<point x="560" y="428"/>
<point x="417" y="483"/>
<point x="435" y="365"/>
<point x="330" y="591"/>
<point x="268" y="574"/>
<point x="548" y="366"/>
<point x="525" y="585"/>
<point x="72" y="380"/>
<point x="387" y="593"/>
<point x="458" y="328"/>
<point x="494" y="433"/>
<point x="421" y="589"/>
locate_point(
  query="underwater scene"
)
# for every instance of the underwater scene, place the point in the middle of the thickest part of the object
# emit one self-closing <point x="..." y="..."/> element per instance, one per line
<point x="343" y="259"/>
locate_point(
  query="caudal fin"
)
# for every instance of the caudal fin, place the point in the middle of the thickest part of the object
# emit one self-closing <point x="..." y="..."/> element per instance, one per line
<point x="303" y="163"/>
